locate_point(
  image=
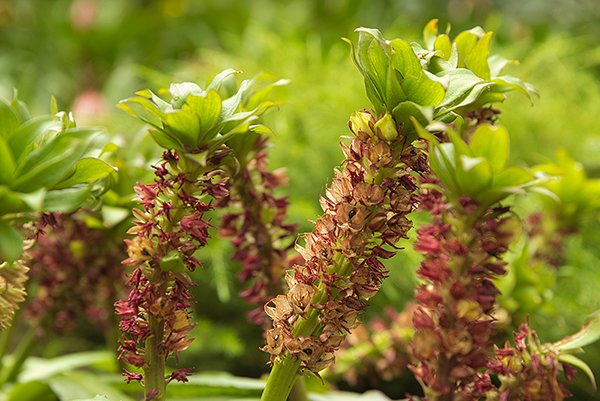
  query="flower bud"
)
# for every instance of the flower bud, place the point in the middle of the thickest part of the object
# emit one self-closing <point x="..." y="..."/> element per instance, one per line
<point x="385" y="128"/>
<point x="360" y="123"/>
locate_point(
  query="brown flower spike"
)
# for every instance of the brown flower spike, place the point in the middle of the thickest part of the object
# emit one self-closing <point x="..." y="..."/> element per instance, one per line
<point x="364" y="216"/>
<point x="256" y="223"/>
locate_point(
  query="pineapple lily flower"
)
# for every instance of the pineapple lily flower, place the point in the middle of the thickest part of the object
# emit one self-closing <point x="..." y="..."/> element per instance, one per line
<point x="194" y="126"/>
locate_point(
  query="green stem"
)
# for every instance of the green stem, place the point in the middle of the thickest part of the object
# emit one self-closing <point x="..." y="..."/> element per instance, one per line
<point x="154" y="367"/>
<point x="299" y="392"/>
<point x="28" y="342"/>
<point x="282" y="378"/>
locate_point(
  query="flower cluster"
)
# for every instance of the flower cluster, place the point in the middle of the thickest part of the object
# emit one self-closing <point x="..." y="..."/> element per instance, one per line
<point x="75" y="270"/>
<point x="364" y="216"/>
<point x="256" y="223"/>
<point x="13" y="276"/>
<point x="529" y="371"/>
<point x="462" y="247"/>
<point x="168" y="231"/>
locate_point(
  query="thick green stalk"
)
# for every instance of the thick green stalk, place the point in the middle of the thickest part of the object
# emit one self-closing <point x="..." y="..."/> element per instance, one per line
<point x="154" y="368"/>
<point x="285" y="369"/>
<point x="282" y="378"/>
<point x="299" y="392"/>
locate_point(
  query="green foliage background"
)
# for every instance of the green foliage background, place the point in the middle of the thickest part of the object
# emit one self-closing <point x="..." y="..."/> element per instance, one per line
<point x="111" y="48"/>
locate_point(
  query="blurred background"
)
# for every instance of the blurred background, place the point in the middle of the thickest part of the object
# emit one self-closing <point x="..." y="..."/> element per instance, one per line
<point x="90" y="54"/>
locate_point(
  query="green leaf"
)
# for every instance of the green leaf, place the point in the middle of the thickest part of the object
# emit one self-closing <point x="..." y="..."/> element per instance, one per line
<point x="443" y="45"/>
<point x="405" y="112"/>
<point x="7" y="162"/>
<point x="589" y="333"/>
<point x="430" y="34"/>
<point x="218" y="80"/>
<point x="87" y="171"/>
<point x="51" y="162"/>
<point x="465" y="42"/>
<point x="513" y="83"/>
<point x="12" y="202"/>
<point x="182" y="124"/>
<point x="165" y="140"/>
<point x="32" y="133"/>
<point x="66" y="200"/>
<point x="31" y="391"/>
<point x="443" y="164"/>
<point x="80" y="385"/>
<point x="578" y="363"/>
<point x="477" y="59"/>
<point x="111" y="216"/>
<point x="512" y="177"/>
<point x="143" y="109"/>
<point x="230" y="105"/>
<point x="491" y="143"/>
<point x="461" y="83"/>
<point x="41" y="369"/>
<point x="417" y="86"/>
<point x="474" y="175"/>
<point x="208" y="110"/>
<point x="11" y="242"/>
<point x="9" y="120"/>
<point x="179" y="92"/>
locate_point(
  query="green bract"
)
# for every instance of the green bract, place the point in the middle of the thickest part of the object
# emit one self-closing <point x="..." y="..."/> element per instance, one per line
<point x="193" y="119"/>
<point x="443" y="80"/>
<point x="47" y="164"/>
<point x="476" y="169"/>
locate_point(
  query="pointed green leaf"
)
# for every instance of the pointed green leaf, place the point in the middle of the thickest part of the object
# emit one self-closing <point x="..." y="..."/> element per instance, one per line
<point x="512" y="177"/>
<point x="589" y="333"/>
<point x="497" y="63"/>
<point x="50" y="163"/>
<point x="430" y="34"/>
<point x="165" y="140"/>
<point x="491" y="143"/>
<point x="31" y="391"/>
<point x="207" y="108"/>
<point x="465" y="42"/>
<point x="231" y="105"/>
<point x="42" y="369"/>
<point x="474" y="175"/>
<point x="179" y="92"/>
<point x="9" y="120"/>
<point x="7" y="162"/>
<point x="87" y="171"/>
<point x="477" y="59"/>
<point x="443" y="45"/>
<point x="11" y="242"/>
<point x="578" y="363"/>
<point x="66" y="200"/>
<point x="442" y="160"/>
<point x="218" y="80"/>
<point x="11" y="202"/>
<point x="143" y="109"/>
<point x="183" y="124"/>
<point x="31" y="133"/>
<point x="460" y="83"/>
